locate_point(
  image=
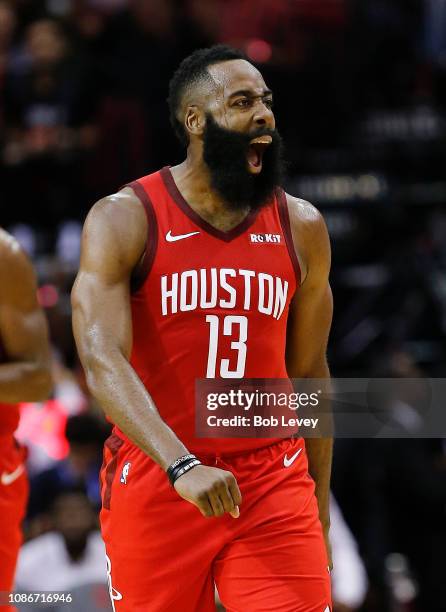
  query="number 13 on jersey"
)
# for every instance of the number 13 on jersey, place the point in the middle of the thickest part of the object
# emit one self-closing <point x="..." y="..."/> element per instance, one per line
<point x="236" y="326"/>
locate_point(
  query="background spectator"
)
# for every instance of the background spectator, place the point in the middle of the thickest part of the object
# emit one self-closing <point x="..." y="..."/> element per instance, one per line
<point x="85" y="435"/>
<point x="68" y="558"/>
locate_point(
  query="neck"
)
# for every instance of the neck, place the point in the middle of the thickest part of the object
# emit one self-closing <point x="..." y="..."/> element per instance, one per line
<point x="193" y="180"/>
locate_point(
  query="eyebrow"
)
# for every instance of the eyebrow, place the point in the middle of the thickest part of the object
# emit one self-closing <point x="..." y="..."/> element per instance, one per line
<point x="249" y="94"/>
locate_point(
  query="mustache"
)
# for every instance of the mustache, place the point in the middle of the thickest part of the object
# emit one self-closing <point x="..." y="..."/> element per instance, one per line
<point x="261" y="131"/>
<point x="247" y="137"/>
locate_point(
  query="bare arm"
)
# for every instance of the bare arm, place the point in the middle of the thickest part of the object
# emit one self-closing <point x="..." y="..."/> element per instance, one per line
<point x="113" y="242"/>
<point x="309" y="327"/>
<point x="23" y="329"/>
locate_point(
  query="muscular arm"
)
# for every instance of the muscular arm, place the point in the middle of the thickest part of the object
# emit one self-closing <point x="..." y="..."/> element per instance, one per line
<point x="113" y="241"/>
<point x="309" y="327"/>
<point x="23" y="329"/>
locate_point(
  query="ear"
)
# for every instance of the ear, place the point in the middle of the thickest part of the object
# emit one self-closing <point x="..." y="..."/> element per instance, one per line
<point x="195" y="120"/>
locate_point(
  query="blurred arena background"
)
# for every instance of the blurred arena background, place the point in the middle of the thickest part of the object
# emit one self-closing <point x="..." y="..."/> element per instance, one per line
<point x="360" y="94"/>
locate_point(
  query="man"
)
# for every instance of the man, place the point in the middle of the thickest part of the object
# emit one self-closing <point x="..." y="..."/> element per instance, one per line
<point x="169" y="291"/>
<point x="70" y="556"/>
<point x="24" y="377"/>
<point x="85" y="435"/>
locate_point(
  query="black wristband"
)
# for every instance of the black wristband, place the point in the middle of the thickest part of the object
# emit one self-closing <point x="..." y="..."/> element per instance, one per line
<point x="174" y="469"/>
<point x="182" y="469"/>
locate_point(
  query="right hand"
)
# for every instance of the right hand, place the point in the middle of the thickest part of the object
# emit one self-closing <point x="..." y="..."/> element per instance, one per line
<point x="212" y="490"/>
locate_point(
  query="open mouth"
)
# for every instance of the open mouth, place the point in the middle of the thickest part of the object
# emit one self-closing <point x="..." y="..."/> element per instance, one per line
<point x="256" y="149"/>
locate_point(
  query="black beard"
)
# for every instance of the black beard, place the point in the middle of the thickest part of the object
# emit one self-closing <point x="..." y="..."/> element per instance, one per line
<point x="225" y="154"/>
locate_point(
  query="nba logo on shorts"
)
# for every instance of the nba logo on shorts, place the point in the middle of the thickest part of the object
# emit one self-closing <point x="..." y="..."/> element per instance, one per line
<point x="125" y="472"/>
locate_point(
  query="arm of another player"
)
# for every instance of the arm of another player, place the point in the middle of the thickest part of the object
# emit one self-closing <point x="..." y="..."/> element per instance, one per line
<point x="309" y="327"/>
<point x="113" y="242"/>
<point x="23" y="330"/>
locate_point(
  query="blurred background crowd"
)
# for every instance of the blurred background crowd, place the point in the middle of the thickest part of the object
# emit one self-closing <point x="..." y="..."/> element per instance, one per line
<point x="360" y="100"/>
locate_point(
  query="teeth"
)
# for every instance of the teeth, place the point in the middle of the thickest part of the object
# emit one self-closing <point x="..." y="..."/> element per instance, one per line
<point x="262" y="140"/>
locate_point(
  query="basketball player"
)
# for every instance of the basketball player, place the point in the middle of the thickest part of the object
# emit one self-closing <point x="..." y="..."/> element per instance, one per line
<point x="24" y="377"/>
<point x="173" y="285"/>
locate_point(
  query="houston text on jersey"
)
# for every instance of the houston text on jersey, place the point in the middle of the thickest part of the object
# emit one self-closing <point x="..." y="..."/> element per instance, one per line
<point x="192" y="289"/>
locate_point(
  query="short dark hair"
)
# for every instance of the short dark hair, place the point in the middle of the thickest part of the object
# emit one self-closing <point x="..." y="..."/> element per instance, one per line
<point x="191" y="70"/>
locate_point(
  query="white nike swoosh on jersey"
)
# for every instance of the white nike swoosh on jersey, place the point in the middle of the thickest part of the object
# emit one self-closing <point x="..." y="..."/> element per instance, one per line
<point x="8" y="478"/>
<point x="171" y="238"/>
<point x="287" y="462"/>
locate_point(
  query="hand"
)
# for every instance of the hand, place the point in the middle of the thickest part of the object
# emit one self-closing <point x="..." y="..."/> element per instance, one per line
<point x="212" y="490"/>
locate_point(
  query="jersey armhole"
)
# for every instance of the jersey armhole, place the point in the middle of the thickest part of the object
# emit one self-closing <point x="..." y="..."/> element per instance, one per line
<point x="143" y="269"/>
<point x="284" y="216"/>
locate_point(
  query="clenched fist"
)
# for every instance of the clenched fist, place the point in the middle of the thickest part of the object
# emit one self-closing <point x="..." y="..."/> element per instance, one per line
<point x="212" y="490"/>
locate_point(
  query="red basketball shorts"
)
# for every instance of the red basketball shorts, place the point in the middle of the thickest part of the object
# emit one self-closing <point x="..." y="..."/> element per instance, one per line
<point x="13" y="498"/>
<point x="164" y="556"/>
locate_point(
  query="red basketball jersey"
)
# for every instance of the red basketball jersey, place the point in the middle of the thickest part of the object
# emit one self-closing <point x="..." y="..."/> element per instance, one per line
<point x="9" y="414"/>
<point x="212" y="304"/>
